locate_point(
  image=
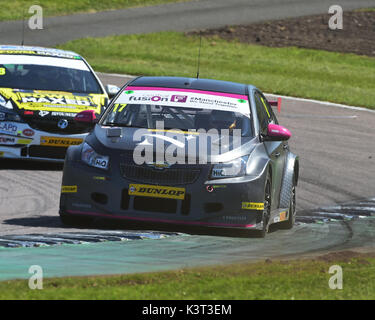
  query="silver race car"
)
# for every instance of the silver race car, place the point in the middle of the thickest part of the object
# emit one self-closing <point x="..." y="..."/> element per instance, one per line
<point x="41" y="91"/>
<point x="182" y="151"/>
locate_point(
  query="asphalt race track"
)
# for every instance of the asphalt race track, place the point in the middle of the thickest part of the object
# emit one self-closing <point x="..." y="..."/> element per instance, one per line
<point x="335" y="145"/>
<point x="335" y="202"/>
<point x="335" y="195"/>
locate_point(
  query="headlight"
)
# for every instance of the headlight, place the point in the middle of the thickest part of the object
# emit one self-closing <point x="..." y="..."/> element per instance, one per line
<point x="234" y="168"/>
<point x="6" y="111"/>
<point x="92" y="158"/>
<point x="9" y="116"/>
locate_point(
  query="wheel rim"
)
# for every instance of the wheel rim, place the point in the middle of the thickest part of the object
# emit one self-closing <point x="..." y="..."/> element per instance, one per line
<point x="293" y="204"/>
<point x="267" y="206"/>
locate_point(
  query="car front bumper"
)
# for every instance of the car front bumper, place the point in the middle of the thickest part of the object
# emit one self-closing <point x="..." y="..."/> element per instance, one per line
<point x="225" y="203"/>
<point x="20" y="141"/>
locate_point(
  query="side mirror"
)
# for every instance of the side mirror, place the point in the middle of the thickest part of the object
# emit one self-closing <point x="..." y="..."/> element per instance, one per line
<point x="111" y="90"/>
<point x="277" y="133"/>
<point x="86" y="117"/>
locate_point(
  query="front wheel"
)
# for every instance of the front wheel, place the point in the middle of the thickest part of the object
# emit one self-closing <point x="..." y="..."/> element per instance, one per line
<point x="267" y="208"/>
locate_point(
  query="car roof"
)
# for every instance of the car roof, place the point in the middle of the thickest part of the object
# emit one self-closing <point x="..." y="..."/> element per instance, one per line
<point x="39" y="51"/>
<point x="193" y="83"/>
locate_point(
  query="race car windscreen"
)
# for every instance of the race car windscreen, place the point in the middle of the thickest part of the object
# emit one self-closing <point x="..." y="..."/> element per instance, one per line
<point x="52" y="74"/>
<point x="184" y="117"/>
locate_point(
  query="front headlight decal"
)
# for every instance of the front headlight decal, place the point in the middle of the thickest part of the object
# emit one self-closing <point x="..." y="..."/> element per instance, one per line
<point x="90" y="157"/>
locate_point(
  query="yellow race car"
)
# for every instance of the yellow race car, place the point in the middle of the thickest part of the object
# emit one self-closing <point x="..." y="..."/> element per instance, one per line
<point x="41" y="91"/>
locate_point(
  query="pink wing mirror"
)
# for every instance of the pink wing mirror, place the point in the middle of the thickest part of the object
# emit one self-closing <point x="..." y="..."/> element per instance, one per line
<point x="86" y="116"/>
<point x="277" y="133"/>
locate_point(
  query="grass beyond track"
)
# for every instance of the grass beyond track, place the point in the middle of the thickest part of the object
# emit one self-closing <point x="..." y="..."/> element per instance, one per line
<point x="315" y="74"/>
<point x="366" y="10"/>
<point x="14" y="9"/>
<point x="264" y="280"/>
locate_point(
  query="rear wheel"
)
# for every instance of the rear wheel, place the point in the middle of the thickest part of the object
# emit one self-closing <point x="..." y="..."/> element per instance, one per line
<point x="292" y="211"/>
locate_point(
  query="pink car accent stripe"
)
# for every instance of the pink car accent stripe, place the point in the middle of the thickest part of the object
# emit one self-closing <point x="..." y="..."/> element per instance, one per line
<point x="198" y="223"/>
<point x="221" y="94"/>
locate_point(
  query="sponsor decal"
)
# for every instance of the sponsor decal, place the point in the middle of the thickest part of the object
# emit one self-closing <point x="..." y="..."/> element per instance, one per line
<point x="24" y="141"/>
<point x="69" y="189"/>
<point x="145" y="190"/>
<point x="283" y="216"/>
<point x="38" y="51"/>
<point x="28" y="132"/>
<point x="56" y="100"/>
<point x="178" y="131"/>
<point x="181" y="97"/>
<point x="101" y="162"/>
<point x="59" y="142"/>
<point x="45" y="102"/>
<point x="253" y="205"/>
<point x="100" y="178"/>
<point x="63" y="114"/>
<point x="148" y="98"/>
<point x="234" y="218"/>
<point x="211" y="188"/>
<point x="218" y="173"/>
<point x="43" y="113"/>
<point x="7" y="140"/>
<point x="17" y="52"/>
<point x="219" y="186"/>
<point x="6" y="126"/>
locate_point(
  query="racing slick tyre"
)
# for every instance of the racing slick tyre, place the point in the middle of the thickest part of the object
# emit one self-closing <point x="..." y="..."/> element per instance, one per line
<point x="267" y="208"/>
<point x="288" y="224"/>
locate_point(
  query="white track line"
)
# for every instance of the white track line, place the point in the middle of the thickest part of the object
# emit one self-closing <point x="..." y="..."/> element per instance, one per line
<point x="326" y="103"/>
<point x="116" y="75"/>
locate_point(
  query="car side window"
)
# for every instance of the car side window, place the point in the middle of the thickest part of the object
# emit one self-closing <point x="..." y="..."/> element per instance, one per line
<point x="270" y="114"/>
<point x="261" y="113"/>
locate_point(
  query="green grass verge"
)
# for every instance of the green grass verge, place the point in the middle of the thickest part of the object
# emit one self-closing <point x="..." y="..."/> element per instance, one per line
<point x="14" y="9"/>
<point x="315" y="74"/>
<point x="365" y="10"/>
<point x="272" y="280"/>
